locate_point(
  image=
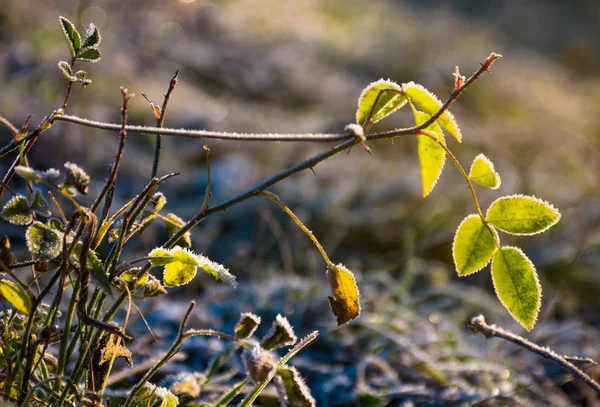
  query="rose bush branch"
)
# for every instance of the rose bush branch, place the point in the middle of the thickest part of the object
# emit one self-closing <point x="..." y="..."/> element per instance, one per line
<point x="478" y="324"/>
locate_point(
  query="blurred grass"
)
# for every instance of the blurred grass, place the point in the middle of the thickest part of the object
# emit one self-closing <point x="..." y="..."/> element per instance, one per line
<point x="294" y="66"/>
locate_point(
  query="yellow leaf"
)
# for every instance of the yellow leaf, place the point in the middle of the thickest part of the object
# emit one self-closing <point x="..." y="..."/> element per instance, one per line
<point x="345" y="302"/>
<point x="16" y="296"/>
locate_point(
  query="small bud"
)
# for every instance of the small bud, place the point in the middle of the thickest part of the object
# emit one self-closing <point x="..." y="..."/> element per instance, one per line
<point x="6" y="255"/>
<point x="41" y="266"/>
<point x="153" y="287"/>
<point x="128" y="276"/>
<point x="24" y="130"/>
<point x="490" y="60"/>
<point x="159" y="200"/>
<point x="281" y="334"/>
<point x="246" y="326"/>
<point x="186" y="386"/>
<point x="259" y="363"/>
<point x="155" y="108"/>
<point x="173" y="224"/>
<point x="76" y="177"/>
<point x="459" y="80"/>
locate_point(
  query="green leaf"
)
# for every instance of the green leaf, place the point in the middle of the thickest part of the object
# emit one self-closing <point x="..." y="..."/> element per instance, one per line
<point x="182" y="269"/>
<point x="30" y="174"/>
<point x="281" y="334"/>
<point x="16" y="296"/>
<point x="473" y="246"/>
<point x="151" y="392"/>
<point x="71" y="35"/>
<point x="157" y="202"/>
<point x="91" y="37"/>
<point x="182" y="264"/>
<point x="97" y="272"/>
<point x="432" y="156"/>
<point x="522" y="215"/>
<point x="39" y="204"/>
<point x="88" y="54"/>
<point x="431" y="105"/>
<point x="291" y="388"/>
<point x="17" y="211"/>
<point x="345" y="302"/>
<point x="517" y="285"/>
<point x="115" y="231"/>
<point x="65" y="68"/>
<point x="81" y="77"/>
<point x="387" y="104"/>
<point x="131" y="273"/>
<point x="170" y="400"/>
<point x="160" y="256"/>
<point x="56" y="224"/>
<point x="246" y="325"/>
<point x="43" y="243"/>
<point x="175" y="223"/>
<point x="217" y="271"/>
<point x="483" y="173"/>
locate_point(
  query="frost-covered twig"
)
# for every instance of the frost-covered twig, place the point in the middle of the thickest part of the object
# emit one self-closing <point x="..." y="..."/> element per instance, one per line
<point x="478" y="324"/>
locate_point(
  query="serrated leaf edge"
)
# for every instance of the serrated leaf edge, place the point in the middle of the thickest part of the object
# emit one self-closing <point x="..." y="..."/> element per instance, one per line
<point x="450" y="116"/>
<point x="85" y="37"/>
<point x="391" y="83"/>
<point x="93" y="61"/>
<point x="253" y="317"/>
<point x="12" y="201"/>
<point x="300" y="384"/>
<point x="532" y="198"/>
<point x="439" y="175"/>
<point x="280" y="322"/>
<point x="537" y="283"/>
<point x="454" y="245"/>
<point x="491" y="165"/>
<point x="29" y="242"/>
<point x="66" y="34"/>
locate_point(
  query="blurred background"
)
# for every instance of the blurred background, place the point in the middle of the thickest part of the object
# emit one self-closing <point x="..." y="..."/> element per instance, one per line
<point x="299" y="66"/>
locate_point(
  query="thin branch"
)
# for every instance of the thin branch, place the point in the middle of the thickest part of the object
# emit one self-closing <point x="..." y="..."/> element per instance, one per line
<point x="85" y="278"/>
<point x="160" y="121"/>
<point x="30" y="139"/>
<point x="205" y="134"/>
<point x="453" y="158"/>
<point x="207" y="193"/>
<point x="69" y="86"/>
<point x="306" y="164"/>
<point x="115" y="167"/>
<point x="22" y="264"/>
<point x="285" y="137"/>
<point x="313" y="161"/>
<point x="301" y="225"/>
<point x="478" y="324"/>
